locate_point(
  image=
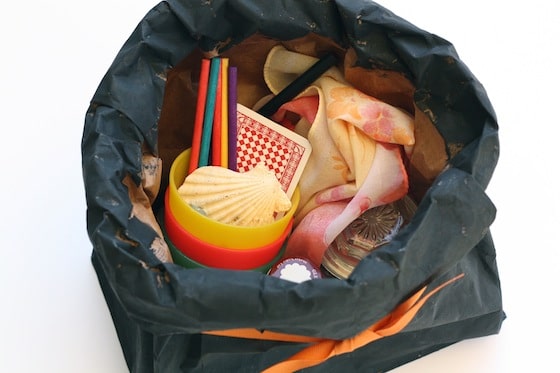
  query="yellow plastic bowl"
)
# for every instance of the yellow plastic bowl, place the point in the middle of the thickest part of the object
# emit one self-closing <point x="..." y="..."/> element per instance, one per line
<point x="214" y="232"/>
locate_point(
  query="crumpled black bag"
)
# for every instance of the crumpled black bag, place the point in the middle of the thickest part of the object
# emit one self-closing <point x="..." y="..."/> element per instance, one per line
<point x="161" y="309"/>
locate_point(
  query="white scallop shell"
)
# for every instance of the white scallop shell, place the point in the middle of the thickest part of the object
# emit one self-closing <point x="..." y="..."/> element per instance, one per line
<point x="249" y="198"/>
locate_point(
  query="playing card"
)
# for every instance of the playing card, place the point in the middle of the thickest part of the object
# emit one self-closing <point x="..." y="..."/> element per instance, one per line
<point x="261" y="140"/>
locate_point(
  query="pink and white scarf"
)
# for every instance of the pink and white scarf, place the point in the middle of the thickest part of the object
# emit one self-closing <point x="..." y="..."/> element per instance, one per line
<point x="357" y="161"/>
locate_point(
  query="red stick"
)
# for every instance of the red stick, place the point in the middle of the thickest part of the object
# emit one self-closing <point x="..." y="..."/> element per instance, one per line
<point x="199" y="114"/>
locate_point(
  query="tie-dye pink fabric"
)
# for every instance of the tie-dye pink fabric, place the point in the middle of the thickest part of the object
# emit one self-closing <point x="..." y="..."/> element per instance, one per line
<point x="356" y="163"/>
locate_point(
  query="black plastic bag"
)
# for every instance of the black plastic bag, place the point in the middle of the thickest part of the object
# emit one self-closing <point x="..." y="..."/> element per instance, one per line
<point x="161" y="310"/>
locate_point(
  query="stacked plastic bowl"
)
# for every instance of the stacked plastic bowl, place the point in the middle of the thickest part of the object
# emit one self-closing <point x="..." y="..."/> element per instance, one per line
<point x="196" y="240"/>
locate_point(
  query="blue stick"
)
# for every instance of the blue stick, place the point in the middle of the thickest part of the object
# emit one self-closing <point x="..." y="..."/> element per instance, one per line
<point x="204" y="157"/>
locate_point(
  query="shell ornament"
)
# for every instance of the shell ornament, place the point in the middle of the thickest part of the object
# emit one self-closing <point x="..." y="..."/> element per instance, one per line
<point x="252" y="198"/>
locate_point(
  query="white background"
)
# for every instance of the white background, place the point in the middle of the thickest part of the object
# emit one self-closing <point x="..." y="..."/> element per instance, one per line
<point x="53" y="317"/>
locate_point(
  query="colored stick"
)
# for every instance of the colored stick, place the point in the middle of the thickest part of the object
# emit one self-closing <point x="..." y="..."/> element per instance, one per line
<point x="199" y="114"/>
<point x="298" y="85"/>
<point x="209" y="113"/>
<point x="225" y="114"/>
<point x="216" y="147"/>
<point x="232" y="118"/>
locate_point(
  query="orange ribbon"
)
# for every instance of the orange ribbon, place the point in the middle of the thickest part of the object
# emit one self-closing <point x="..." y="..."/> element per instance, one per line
<point x="323" y="349"/>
